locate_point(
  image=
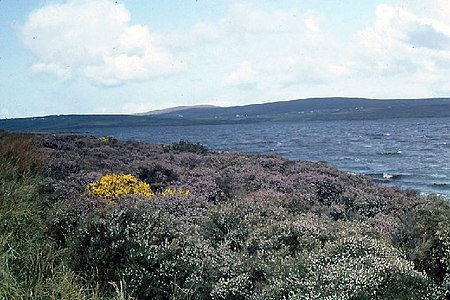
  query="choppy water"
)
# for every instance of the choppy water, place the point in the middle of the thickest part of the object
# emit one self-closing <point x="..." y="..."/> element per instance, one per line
<point x="411" y="153"/>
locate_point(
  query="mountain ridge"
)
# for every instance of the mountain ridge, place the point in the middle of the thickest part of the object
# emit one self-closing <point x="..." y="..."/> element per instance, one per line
<point x="175" y="109"/>
<point x="300" y="110"/>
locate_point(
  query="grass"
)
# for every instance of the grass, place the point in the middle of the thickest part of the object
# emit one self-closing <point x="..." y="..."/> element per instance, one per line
<point x="31" y="265"/>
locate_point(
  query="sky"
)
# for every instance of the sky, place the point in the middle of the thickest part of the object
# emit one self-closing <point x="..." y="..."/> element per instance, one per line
<point x="131" y="56"/>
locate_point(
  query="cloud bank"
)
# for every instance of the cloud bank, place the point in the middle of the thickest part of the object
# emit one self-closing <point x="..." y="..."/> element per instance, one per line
<point x="402" y="43"/>
<point x="93" y="39"/>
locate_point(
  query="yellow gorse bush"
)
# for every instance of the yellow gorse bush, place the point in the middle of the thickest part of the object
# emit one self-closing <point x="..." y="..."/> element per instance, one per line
<point x="105" y="139"/>
<point x="114" y="186"/>
<point x="170" y="191"/>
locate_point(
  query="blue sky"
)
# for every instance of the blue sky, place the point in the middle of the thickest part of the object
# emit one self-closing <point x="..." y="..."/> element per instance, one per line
<point x="129" y="56"/>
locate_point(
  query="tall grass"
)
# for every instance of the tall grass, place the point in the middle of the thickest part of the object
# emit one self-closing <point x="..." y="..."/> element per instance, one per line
<point x="31" y="266"/>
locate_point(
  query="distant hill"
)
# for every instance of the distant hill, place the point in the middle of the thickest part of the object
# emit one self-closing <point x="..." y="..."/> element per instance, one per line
<point x="176" y="109"/>
<point x="294" y="110"/>
<point x="326" y="109"/>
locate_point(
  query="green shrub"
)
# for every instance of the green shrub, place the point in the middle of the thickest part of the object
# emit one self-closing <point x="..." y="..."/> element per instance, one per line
<point x="425" y="238"/>
<point x="186" y="146"/>
<point x="352" y="267"/>
<point x="158" y="177"/>
<point x="149" y="248"/>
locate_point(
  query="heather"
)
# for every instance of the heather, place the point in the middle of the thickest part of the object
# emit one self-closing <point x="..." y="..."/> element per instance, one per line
<point x="130" y="220"/>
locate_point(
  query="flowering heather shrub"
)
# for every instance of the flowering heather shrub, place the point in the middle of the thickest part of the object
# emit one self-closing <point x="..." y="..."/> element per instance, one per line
<point x="352" y="266"/>
<point x="360" y="267"/>
<point x="114" y="186"/>
<point x="226" y="226"/>
<point x="151" y="249"/>
<point x="386" y="224"/>
<point x="444" y="240"/>
<point x="425" y="236"/>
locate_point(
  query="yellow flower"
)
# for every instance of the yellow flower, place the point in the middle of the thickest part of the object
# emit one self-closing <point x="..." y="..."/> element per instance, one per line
<point x="169" y="191"/>
<point x="105" y="139"/>
<point x="114" y="186"/>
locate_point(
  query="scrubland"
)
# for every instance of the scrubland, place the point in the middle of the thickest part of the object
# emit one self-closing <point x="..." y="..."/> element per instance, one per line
<point x="97" y="218"/>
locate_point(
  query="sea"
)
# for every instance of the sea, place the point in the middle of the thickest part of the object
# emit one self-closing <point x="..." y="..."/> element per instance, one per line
<point x="412" y="153"/>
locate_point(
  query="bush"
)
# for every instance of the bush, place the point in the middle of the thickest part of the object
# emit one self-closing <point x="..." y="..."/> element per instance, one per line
<point x="186" y="146"/>
<point x="114" y="186"/>
<point x="147" y="247"/>
<point x="361" y="267"/>
<point x="352" y="267"/>
<point x="157" y="176"/>
<point x="425" y="238"/>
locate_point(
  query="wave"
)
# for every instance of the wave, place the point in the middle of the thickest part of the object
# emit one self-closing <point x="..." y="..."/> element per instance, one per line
<point x="399" y="152"/>
<point x="391" y="176"/>
<point x="441" y="185"/>
<point x="385" y="176"/>
<point x="378" y="136"/>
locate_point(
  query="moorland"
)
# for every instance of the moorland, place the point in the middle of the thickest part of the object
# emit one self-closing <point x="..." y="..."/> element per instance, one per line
<point x="83" y="217"/>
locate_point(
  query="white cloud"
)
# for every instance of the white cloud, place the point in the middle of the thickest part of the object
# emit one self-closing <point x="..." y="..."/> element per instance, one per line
<point x="403" y="45"/>
<point x="437" y="10"/>
<point x="311" y="21"/>
<point x="201" y="33"/>
<point x="397" y="27"/>
<point x="52" y="68"/>
<point x="286" y="47"/>
<point x="243" y="77"/>
<point x="93" y="39"/>
<point x="245" y="19"/>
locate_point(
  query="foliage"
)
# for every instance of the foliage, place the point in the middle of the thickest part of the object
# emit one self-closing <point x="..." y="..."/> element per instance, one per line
<point x="146" y="247"/>
<point x="31" y="266"/>
<point x="425" y="238"/>
<point x="19" y="156"/>
<point x="114" y="186"/>
<point x="186" y="146"/>
<point x="157" y="176"/>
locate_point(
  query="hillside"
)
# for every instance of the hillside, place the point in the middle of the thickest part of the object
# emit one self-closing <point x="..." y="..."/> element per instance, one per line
<point x="294" y="110"/>
<point x="176" y="109"/>
<point x="325" y="109"/>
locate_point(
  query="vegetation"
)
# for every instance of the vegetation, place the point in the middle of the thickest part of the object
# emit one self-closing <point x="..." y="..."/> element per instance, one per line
<point x="114" y="186"/>
<point x="186" y="146"/>
<point x="213" y="226"/>
<point x="31" y="266"/>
